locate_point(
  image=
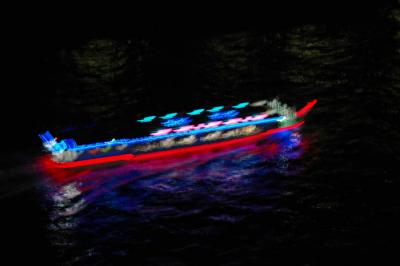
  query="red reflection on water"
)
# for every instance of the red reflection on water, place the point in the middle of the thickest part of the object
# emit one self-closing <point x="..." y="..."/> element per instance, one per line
<point x="148" y="164"/>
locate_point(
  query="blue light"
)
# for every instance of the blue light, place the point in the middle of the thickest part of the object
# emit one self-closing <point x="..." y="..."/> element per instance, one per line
<point x="70" y="143"/>
<point x="196" y="112"/>
<point x="59" y="147"/>
<point x="147" y="119"/>
<point x="215" y="109"/>
<point x="223" y="115"/>
<point x="241" y="105"/>
<point x="46" y="137"/>
<point x="168" y="116"/>
<point x="174" y="135"/>
<point x="52" y="145"/>
<point x="182" y="121"/>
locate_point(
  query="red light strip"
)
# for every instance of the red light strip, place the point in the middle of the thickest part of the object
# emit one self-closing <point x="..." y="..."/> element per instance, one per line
<point x="116" y="158"/>
<point x="157" y="154"/>
<point x="306" y="108"/>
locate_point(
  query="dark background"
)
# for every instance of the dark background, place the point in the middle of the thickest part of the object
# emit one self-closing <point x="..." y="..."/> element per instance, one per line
<point x="79" y="73"/>
<point x="40" y="77"/>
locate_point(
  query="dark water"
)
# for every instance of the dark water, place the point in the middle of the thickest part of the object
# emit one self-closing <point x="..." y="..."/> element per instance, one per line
<point x="325" y="195"/>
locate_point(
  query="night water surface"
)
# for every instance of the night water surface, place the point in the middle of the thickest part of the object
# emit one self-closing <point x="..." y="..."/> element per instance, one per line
<point x="325" y="194"/>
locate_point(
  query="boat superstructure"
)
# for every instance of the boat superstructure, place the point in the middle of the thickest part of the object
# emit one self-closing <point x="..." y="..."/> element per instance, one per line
<point x="183" y="132"/>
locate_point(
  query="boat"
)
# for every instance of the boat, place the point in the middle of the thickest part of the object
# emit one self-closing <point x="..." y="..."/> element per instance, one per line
<point x="182" y="133"/>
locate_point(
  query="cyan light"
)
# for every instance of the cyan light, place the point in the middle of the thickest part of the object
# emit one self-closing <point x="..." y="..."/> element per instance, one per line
<point x="240" y="105"/>
<point x="168" y="116"/>
<point x="215" y="109"/>
<point x="196" y="112"/>
<point x="147" y="119"/>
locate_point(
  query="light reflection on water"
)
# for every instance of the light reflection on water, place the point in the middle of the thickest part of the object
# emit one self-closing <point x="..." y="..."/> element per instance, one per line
<point x="91" y="199"/>
<point x="115" y="211"/>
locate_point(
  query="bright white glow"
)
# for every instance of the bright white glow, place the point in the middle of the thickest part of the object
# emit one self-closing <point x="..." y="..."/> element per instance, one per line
<point x="259" y="103"/>
<point x="283" y="118"/>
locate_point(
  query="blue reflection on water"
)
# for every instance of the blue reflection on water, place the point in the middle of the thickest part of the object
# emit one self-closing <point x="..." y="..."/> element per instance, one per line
<point x="131" y="186"/>
<point x="95" y="207"/>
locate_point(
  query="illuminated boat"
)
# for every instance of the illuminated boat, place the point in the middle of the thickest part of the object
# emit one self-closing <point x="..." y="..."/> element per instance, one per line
<point x="179" y="133"/>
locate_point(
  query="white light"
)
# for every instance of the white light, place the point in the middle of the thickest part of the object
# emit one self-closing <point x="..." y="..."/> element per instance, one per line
<point x="282" y="119"/>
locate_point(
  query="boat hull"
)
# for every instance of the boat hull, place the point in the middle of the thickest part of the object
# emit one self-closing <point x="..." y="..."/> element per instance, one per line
<point x="178" y="140"/>
<point x="112" y="157"/>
